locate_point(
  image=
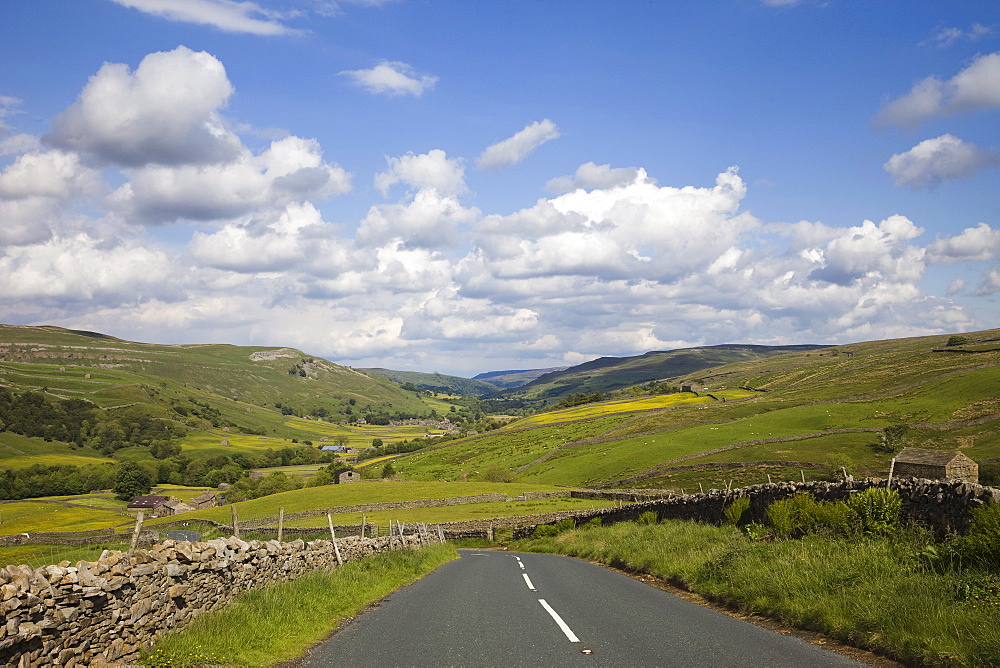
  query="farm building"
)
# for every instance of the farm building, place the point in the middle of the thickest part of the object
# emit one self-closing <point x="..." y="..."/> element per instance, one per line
<point x="172" y="507"/>
<point x="346" y="475"/>
<point x="147" y="503"/>
<point x="935" y="465"/>
<point x="206" y="500"/>
<point x="333" y="448"/>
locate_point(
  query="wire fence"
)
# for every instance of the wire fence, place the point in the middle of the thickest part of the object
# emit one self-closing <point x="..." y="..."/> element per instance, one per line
<point x="51" y="548"/>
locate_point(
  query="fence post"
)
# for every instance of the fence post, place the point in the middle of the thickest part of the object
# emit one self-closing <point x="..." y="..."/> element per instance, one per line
<point x="333" y="537"/>
<point x="281" y="522"/>
<point x="135" y="533"/>
<point x="892" y="466"/>
<point x="236" y="522"/>
<point x="364" y="520"/>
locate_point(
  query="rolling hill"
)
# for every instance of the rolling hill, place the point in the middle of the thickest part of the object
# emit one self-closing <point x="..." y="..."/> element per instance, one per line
<point x="438" y="382"/>
<point x="258" y="389"/>
<point x="515" y="378"/>
<point x="811" y="412"/>
<point x="607" y="374"/>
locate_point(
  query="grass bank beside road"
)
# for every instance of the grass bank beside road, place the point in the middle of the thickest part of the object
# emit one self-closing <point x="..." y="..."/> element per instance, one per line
<point x="873" y="593"/>
<point x="279" y="623"/>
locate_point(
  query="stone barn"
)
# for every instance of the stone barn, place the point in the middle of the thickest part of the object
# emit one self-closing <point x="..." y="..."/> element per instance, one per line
<point x="935" y="465"/>
<point x="147" y="503"/>
<point x="346" y="475"/>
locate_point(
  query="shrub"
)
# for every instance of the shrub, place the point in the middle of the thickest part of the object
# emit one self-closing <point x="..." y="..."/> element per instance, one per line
<point x="957" y="340"/>
<point x="547" y="530"/>
<point x="498" y="474"/>
<point x="878" y="510"/>
<point x="804" y="514"/>
<point x="779" y="516"/>
<point x="737" y="512"/>
<point x="648" y="517"/>
<point x="982" y="543"/>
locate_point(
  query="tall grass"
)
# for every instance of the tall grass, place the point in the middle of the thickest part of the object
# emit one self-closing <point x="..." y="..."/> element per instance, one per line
<point x="279" y="623"/>
<point x="870" y="592"/>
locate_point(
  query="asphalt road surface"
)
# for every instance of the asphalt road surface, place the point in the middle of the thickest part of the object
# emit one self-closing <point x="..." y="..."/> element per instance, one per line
<point x="517" y="609"/>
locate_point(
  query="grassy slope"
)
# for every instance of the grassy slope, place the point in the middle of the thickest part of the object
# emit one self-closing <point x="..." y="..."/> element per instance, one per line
<point x="613" y="373"/>
<point x="18" y="452"/>
<point x="810" y="394"/>
<point x="229" y="377"/>
<point x="453" y="384"/>
<point x="154" y="378"/>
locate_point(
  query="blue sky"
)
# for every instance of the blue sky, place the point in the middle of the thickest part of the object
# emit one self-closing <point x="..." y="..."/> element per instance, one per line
<point x="469" y="186"/>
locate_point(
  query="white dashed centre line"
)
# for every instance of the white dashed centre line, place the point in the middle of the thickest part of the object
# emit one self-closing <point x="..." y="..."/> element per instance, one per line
<point x="562" y="625"/>
<point x="527" y="581"/>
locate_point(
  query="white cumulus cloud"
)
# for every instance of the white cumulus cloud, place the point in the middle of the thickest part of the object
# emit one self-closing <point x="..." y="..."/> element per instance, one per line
<point x="590" y="175"/>
<point x="514" y="149"/>
<point x="978" y="244"/>
<point x="166" y="112"/>
<point x="392" y="78"/>
<point x="939" y="159"/>
<point x="976" y="87"/>
<point x="289" y="170"/>
<point x="226" y="15"/>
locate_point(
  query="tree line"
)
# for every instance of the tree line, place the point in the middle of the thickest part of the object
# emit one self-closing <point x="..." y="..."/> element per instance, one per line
<point x="82" y="423"/>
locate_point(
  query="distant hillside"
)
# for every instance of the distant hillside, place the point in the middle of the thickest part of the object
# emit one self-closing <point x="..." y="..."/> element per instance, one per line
<point x="613" y="373"/>
<point x="812" y="413"/>
<point x="439" y="382"/>
<point x="510" y="379"/>
<point x="243" y="385"/>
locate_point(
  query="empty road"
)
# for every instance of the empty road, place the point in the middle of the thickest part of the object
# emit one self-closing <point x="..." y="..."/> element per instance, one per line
<point x="511" y="609"/>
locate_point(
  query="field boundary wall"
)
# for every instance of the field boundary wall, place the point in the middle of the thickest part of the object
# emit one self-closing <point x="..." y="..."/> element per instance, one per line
<point x="105" y="612"/>
<point x="942" y="506"/>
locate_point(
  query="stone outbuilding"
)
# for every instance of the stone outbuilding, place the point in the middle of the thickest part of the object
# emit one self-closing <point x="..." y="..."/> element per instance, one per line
<point x="935" y="465"/>
<point x="172" y="507"/>
<point x="346" y="475"/>
<point x="206" y="500"/>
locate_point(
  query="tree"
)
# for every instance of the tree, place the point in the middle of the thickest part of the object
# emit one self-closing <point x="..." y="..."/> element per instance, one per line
<point x="376" y="442"/>
<point x="388" y="470"/>
<point x="891" y="439"/>
<point x="131" y="481"/>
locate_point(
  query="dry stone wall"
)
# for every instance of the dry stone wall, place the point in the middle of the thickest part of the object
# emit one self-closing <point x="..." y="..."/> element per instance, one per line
<point x="943" y="506"/>
<point x="104" y="612"/>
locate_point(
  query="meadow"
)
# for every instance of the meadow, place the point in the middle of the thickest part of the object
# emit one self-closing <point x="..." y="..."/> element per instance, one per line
<point x="18" y="452"/>
<point x="31" y="516"/>
<point x="331" y="496"/>
<point x="806" y="402"/>
<point x="460" y="513"/>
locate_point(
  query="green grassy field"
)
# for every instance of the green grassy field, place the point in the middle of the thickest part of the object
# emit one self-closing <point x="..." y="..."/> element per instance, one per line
<point x="29" y="517"/>
<point x="462" y="513"/>
<point x="810" y="397"/>
<point x="243" y="383"/>
<point x="329" y="496"/>
<point x="18" y="452"/>
<point x="36" y="555"/>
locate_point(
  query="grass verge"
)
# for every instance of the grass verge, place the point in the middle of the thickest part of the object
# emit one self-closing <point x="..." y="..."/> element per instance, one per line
<point x="871" y="593"/>
<point x="267" y="626"/>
